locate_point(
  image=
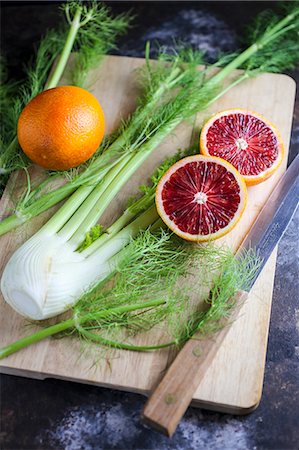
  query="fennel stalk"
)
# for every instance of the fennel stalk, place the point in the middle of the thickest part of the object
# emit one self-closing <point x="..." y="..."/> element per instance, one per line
<point x="270" y="51"/>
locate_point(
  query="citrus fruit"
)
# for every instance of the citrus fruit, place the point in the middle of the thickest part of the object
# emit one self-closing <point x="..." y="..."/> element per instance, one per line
<point x="61" y="127"/>
<point x="201" y="198"/>
<point x="245" y="139"/>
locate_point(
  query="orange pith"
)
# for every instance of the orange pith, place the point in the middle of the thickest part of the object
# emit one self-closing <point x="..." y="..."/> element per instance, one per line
<point x="201" y="198"/>
<point x="61" y="128"/>
<point x="263" y="149"/>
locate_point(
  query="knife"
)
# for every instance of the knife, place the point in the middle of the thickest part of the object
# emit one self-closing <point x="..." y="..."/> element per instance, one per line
<point x="169" y="401"/>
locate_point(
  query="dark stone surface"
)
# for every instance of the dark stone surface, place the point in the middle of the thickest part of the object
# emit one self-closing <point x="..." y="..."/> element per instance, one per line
<point x="53" y="414"/>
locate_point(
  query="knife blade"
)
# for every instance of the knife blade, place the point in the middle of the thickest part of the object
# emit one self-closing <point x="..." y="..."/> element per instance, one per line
<point x="273" y="219"/>
<point x="170" y="399"/>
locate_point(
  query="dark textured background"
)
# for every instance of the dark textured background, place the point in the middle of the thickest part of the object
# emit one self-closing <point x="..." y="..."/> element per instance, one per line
<point x="53" y="414"/>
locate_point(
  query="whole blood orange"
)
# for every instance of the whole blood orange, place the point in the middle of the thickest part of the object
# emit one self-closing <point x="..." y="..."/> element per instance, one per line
<point x="61" y="127"/>
<point x="247" y="140"/>
<point x="201" y="198"/>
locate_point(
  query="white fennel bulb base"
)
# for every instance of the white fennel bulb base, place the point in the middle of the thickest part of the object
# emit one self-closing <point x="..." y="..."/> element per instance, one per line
<point x="46" y="275"/>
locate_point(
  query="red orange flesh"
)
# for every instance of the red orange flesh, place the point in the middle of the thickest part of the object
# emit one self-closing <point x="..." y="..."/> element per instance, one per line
<point x="201" y="198"/>
<point x="247" y="140"/>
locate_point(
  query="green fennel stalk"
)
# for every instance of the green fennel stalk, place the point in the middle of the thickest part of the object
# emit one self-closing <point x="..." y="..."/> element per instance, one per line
<point x="70" y="323"/>
<point x="280" y="35"/>
<point x="64" y="57"/>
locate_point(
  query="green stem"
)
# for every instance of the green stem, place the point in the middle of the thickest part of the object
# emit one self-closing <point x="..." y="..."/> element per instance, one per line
<point x="275" y="32"/>
<point x="142" y="203"/>
<point x="237" y="81"/>
<point x="35" y="192"/>
<point x="118" y="182"/>
<point x="125" y="220"/>
<point x="129" y="214"/>
<point x="48" y="200"/>
<point x="42" y="204"/>
<point x="67" y="210"/>
<point x="278" y="33"/>
<point x="105" y="197"/>
<point x="35" y="337"/>
<point x="75" y="26"/>
<point x="237" y="62"/>
<point x="11" y="222"/>
<point x="117" y="226"/>
<point x="123" y="346"/>
<point x="171" y="81"/>
<point x="90" y="204"/>
<point x="73" y="323"/>
<point x="115" y="248"/>
<point x="282" y="23"/>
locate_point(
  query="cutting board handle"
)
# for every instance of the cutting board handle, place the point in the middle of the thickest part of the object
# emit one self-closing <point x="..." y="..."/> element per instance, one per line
<point x="169" y="401"/>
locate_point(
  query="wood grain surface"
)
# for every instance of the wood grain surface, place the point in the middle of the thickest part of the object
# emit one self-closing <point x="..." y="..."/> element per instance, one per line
<point x="233" y="382"/>
<point x="171" y="398"/>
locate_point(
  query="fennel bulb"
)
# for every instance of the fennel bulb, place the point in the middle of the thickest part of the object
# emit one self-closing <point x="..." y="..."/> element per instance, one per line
<point x="47" y="275"/>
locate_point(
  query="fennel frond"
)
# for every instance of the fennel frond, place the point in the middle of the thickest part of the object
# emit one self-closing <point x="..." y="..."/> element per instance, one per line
<point x="96" y="38"/>
<point x="148" y="291"/>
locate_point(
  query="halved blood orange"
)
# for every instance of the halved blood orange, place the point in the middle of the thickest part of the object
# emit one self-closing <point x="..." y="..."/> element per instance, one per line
<point x="247" y="140"/>
<point x="201" y="198"/>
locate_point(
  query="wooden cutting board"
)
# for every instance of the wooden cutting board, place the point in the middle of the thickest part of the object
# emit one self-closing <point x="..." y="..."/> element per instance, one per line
<point x="233" y="383"/>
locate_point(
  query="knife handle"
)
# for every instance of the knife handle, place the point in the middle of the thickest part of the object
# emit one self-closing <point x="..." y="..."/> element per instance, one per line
<point x="169" y="401"/>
